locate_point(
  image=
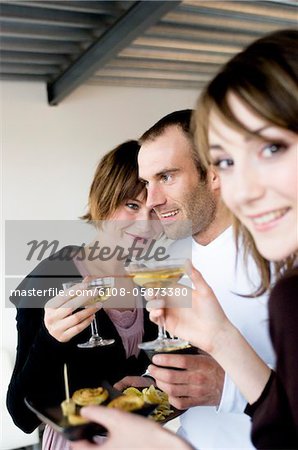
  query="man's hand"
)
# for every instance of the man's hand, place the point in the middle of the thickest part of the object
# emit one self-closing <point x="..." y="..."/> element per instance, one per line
<point x="200" y="384"/>
<point x="133" y="381"/>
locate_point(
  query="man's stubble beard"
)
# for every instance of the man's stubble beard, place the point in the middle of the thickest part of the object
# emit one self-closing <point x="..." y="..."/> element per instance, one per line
<point x="202" y="207"/>
<point x="199" y="209"/>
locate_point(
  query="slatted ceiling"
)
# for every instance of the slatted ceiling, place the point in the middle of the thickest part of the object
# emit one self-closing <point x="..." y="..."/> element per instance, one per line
<point x="174" y="55"/>
<point x="33" y="58"/>
<point x="26" y="77"/>
<point x="242" y="11"/>
<point x="40" y="39"/>
<point x="24" y="13"/>
<point x="224" y="22"/>
<point x="39" y="46"/>
<point x="49" y="32"/>
<point x="97" y="7"/>
<point x="285" y="2"/>
<point x="154" y="74"/>
<point x="38" y="69"/>
<point x="183" y="47"/>
<point x="192" y="33"/>
<point x="198" y="33"/>
<point x="253" y="9"/>
<point x="122" y="63"/>
<point x="148" y="83"/>
<point x="186" y="45"/>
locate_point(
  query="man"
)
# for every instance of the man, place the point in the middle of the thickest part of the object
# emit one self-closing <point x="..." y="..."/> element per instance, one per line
<point x="179" y="189"/>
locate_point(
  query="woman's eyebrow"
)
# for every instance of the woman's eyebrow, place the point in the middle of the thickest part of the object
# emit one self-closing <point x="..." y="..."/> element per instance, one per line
<point x="257" y="132"/>
<point x="247" y="138"/>
<point x="132" y="199"/>
<point x="215" y="147"/>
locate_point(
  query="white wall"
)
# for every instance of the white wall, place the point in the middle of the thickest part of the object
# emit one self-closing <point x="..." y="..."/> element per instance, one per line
<point x="50" y="152"/>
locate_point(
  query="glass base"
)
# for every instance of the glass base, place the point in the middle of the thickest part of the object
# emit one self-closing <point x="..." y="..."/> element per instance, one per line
<point x="164" y="344"/>
<point x="96" y="341"/>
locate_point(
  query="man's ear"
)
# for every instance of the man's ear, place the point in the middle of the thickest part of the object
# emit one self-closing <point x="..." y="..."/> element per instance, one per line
<point x="213" y="178"/>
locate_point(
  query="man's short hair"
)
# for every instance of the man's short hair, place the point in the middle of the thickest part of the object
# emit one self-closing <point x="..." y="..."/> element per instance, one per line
<point x="181" y="119"/>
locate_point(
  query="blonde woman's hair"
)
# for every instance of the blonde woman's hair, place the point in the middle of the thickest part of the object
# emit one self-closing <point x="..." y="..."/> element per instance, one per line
<point x="265" y="77"/>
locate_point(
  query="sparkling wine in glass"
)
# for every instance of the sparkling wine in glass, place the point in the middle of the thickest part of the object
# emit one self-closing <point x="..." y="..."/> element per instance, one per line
<point x="102" y="287"/>
<point x="154" y="275"/>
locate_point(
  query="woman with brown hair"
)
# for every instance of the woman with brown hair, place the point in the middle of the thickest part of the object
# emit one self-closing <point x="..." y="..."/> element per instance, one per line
<point x="49" y="337"/>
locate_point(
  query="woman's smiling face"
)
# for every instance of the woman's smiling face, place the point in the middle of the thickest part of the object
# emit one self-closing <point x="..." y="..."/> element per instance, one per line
<point x="258" y="175"/>
<point x="133" y="222"/>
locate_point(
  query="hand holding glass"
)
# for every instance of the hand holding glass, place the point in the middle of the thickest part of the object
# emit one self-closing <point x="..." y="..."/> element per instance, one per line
<point x="102" y="288"/>
<point x="158" y="274"/>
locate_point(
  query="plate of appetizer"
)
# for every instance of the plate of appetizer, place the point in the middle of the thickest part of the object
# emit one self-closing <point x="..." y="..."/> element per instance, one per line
<point x="66" y="418"/>
<point x="163" y="411"/>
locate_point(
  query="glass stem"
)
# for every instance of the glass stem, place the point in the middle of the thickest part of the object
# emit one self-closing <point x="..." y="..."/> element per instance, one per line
<point x="94" y="329"/>
<point x="162" y="334"/>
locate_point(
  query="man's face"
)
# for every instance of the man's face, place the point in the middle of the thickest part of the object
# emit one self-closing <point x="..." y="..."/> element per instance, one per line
<point x="174" y="188"/>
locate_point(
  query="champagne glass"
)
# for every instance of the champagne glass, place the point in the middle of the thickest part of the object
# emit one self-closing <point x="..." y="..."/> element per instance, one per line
<point x="158" y="275"/>
<point x="102" y="288"/>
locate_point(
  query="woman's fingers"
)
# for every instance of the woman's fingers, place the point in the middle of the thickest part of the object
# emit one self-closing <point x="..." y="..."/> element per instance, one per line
<point x="196" y="277"/>
<point x="109" y="418"/>
<point x="62" y="324"/>
<point x="76" y="328"/>
<point x="129" y="431"/>
<point x="155" y="307"/>
<point x="75" y="297"/>
<point x="156" y="304"/>
<point x="52" y="315"/>
<point x="150" y="294"/>
<point x="61" y="300"/>
<point x="75" y="319"/>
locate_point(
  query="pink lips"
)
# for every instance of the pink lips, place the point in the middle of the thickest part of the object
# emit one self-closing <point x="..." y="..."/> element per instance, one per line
<point x="267" y="221"/>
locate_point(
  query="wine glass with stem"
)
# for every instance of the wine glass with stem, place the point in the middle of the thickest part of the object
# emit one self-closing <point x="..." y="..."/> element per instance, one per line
<point x="102" y="287"/>
<point x="158" y="276"/>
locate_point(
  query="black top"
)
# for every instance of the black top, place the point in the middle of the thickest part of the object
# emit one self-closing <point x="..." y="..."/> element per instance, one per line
<point x="38" y="371"/>
<point x="275" y="414"/>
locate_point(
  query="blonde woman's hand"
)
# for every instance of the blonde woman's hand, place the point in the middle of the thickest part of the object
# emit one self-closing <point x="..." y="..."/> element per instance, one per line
<point x="128" y="431"/>
<point x="200" y="322"/>
<point x="61" y="321"/>
<point x="205" y="325"/>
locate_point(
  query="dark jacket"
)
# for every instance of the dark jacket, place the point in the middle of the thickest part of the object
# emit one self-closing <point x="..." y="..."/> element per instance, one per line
<point x="275" y="414"/>
<point x="38" y="371"/>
